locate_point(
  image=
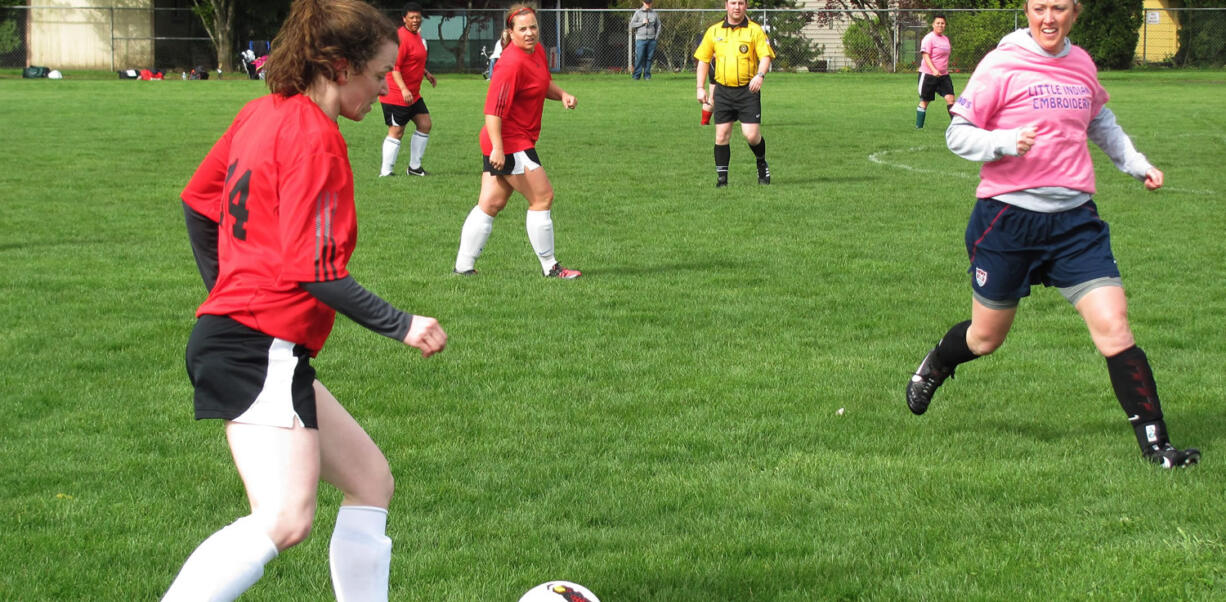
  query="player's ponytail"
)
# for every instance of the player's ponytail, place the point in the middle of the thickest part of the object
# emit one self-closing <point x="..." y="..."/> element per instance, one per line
<point x="317" y="35"/>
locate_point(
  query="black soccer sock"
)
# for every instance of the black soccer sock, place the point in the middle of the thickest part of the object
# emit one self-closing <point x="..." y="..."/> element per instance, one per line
<point x="953" y="350"/>
<point x="1134" y="386"/>
<point x="759" y="149"/>
<point x="723" y="156"/>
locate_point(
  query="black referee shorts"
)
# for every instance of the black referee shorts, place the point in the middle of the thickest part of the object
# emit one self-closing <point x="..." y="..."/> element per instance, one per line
<point x="737" y="104"/>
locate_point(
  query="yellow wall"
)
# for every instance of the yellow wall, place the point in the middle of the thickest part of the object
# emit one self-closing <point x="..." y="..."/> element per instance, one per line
<point x="62" y="36"/>
<point x="1158" y="41"/>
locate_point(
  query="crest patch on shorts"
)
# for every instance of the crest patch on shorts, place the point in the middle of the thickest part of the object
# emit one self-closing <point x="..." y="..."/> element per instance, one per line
<point x="981" y="276"/>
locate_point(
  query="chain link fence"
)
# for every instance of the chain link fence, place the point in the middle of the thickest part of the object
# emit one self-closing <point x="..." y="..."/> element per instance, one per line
<point x="591" y="40"/>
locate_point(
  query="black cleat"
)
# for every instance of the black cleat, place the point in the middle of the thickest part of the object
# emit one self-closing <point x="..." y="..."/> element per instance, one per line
<point x="721" y="180"/>
<point x="416" y="172"/>
<point x="764" y="173"/>
<point x="472" y="272"/>
<point x="924" y="383"/>
<point x="1168" y="456"/>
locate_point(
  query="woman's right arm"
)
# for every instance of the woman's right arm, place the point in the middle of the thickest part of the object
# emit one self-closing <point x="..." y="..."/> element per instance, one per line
<point x="202" y="232"/>
<point x="493" y="127"/>
<point x="974" y="143"/>
<point x="202" y="208"/>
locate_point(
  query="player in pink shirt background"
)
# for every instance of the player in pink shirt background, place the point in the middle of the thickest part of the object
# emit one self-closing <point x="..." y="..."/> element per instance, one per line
<point x="1027" y="112"/>
<point x="934" y="70"/>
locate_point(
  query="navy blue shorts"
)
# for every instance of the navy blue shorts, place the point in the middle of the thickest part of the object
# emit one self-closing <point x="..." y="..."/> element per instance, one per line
<point x="1011" y="248"/>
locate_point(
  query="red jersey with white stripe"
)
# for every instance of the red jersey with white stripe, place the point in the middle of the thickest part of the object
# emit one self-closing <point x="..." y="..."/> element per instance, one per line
<point x="280" y="186"/>
<point x="411" y="63"/>
<point x="517" y="95"/>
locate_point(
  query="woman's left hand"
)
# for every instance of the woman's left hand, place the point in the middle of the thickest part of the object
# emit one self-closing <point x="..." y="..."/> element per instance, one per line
<point x="569" y="101"/>
<point x="1153" y="178"/>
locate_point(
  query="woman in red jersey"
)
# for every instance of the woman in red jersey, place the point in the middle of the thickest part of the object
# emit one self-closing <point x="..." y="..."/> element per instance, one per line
<point x="270" y="213"/>
<point x="513" y="105"/>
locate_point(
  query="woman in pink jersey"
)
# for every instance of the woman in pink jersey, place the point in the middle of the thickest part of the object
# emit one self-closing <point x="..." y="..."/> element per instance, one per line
<point x="934" y="70"/>
<point x="1027" y="113"/>
<point x="513" y="106"/>
<point x="270" y="214"/>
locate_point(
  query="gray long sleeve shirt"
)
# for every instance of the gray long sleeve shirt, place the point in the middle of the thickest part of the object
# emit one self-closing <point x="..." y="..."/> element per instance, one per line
<point x="645" y="24"/>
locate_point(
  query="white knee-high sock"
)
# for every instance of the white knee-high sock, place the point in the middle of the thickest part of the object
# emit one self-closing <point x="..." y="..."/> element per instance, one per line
<point x="540" y="233"/>
<point x="224" y="565"/>
<point x="360" y="554"/>
<point x="391" y="150"/>
<point x="476" y="230"/>
<point x="417" y="148"/>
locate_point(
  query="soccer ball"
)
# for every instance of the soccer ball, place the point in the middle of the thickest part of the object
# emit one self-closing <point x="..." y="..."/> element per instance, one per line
<point x="559" y="591"/>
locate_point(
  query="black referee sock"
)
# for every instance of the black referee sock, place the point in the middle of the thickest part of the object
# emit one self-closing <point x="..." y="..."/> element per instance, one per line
<point x="953" y="350"/>
<point x="723" y="156"/>
<point x="1137" y="392"/>
<point x="759" y="150"/>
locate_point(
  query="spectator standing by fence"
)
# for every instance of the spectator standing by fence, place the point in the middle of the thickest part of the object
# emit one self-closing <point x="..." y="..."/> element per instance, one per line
<point x="645" y="24"/>
<point x="934" y="70"/>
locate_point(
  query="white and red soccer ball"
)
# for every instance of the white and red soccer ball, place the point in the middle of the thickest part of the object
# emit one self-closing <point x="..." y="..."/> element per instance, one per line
<point x="559" y="591"/>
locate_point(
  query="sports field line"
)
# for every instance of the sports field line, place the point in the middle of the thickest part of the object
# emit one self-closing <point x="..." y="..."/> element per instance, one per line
<point x="878" y="158"/>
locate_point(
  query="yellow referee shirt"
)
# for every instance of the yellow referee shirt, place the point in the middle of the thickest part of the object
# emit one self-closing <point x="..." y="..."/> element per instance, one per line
<point x="737" y="50"/>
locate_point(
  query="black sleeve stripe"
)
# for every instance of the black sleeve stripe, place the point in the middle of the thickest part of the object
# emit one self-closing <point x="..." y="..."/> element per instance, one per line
<point x="501" y="106"/>
<point x="325" y="242"/>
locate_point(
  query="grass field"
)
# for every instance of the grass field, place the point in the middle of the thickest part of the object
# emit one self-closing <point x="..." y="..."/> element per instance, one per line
<point x="666" y="428"/>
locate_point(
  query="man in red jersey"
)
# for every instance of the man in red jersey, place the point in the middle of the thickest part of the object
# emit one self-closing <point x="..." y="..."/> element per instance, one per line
<point x="403" y="102"/>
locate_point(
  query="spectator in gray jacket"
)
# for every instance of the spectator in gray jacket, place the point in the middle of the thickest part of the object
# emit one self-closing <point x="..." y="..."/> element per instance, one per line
<point x="645" y="25"/>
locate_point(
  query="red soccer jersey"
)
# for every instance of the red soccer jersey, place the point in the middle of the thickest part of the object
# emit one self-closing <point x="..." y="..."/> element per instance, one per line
<point x="517" y="95"/>
<point x="280" y="186"/>
<point x="411" y="63"/>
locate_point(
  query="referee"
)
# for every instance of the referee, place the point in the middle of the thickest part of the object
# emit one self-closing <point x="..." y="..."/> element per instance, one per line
<point x="742" y="56"/>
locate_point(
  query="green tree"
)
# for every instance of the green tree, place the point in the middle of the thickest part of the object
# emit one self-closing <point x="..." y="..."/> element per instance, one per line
<point x="1109" y="31"/>
<point x="792" y="48"/>
<point x="218" y="19"/>
<point x="1201" y="43"/>
<point x="870" y="40"/>
<point x="10" y="38"/>
<point x="974" y="34"/>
